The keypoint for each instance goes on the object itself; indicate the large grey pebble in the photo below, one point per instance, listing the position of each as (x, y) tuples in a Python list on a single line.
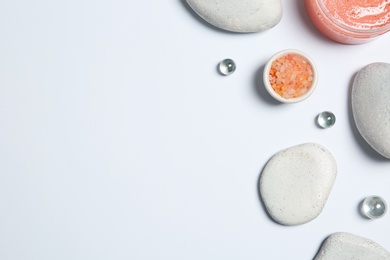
[(239, 16), (370, 99), (349, 246), (296, 182)]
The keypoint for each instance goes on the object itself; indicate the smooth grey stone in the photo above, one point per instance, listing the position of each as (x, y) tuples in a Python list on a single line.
[(296, 182), (370, 99), (239, 16), (349, 246)]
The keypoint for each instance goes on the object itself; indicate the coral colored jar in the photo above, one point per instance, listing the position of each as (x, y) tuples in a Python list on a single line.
[(350, 21)]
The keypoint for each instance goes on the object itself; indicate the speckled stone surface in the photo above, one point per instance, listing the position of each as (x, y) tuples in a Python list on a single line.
[(296, 182), (348, 246), (239, 16), (370, 99)]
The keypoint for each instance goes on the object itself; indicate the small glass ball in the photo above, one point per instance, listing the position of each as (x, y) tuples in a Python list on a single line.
[(373, 207), (326, 119), (227, 67)]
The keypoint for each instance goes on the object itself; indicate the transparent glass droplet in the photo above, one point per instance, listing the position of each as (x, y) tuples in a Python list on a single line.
[(326, 119), (227, 67), (374, 207)]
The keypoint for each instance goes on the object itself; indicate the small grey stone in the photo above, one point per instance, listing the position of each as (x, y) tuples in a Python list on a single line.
[(296, 182), (370, 99), (348, 246), (239, 16)]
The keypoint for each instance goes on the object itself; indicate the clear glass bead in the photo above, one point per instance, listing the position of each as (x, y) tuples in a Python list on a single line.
[(326, 119), (227, 67), (374, 207)]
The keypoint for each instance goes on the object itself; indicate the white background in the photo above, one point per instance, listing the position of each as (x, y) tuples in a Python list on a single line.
[(119, 139)]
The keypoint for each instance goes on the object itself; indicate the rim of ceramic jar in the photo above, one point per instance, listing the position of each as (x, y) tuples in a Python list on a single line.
[(268, 85), (369, 32)]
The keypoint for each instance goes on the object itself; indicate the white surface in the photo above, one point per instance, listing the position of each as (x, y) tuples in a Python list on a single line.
[(119, 139)]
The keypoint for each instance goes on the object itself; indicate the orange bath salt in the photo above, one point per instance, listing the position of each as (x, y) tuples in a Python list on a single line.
[(291, 76)]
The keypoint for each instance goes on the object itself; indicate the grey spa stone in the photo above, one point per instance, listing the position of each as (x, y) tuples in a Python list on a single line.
[(349, 246), (296, 182), (370, 99), (239, 16)]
